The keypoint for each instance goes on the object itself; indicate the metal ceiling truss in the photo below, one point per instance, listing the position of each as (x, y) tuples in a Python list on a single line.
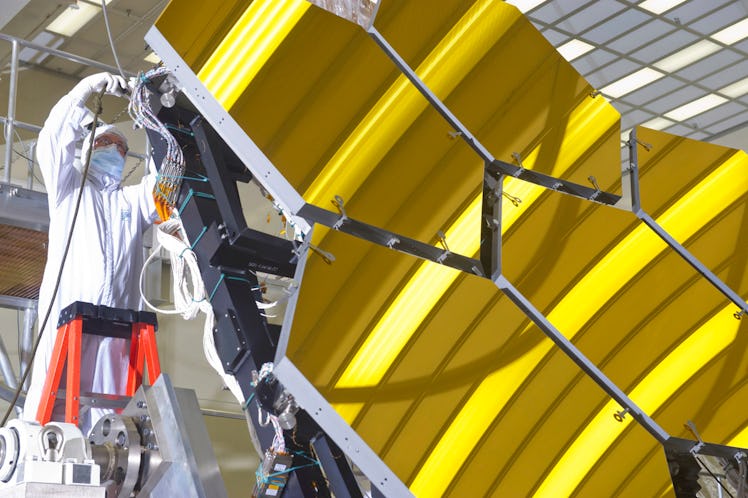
[(488, 265), (685, 82)]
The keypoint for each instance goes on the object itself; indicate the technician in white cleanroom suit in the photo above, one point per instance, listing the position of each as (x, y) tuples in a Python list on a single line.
[(106, 250)]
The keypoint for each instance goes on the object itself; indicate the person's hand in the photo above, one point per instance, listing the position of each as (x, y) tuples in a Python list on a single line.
[(111, 84)]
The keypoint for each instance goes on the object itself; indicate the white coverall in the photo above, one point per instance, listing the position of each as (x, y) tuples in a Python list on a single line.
[(104, 261)]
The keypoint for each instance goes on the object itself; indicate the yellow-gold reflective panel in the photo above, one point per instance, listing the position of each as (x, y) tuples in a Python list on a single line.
[(399, 322), (445, 66), (663, 381), (336, 125), (248, 46), (464, 352), (601, 282)]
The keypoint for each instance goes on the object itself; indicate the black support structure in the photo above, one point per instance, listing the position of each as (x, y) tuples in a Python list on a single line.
[(229, 255)]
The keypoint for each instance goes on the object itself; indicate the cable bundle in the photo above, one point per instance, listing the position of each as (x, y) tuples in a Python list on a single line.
[(189, 292), (172, 167)]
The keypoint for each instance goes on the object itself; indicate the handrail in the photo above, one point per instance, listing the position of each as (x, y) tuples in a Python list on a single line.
[(9, 122), (64, 55)]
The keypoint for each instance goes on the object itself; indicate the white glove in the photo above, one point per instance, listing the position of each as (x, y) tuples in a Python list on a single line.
[(112, 85)]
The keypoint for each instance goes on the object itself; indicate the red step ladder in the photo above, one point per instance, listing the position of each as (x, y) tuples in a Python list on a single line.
[(84, 318)]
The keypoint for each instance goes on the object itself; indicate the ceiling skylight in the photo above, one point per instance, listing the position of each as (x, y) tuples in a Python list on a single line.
[(525, 5), (696, 107), (737, 89), (687, 56), (631, 82), (574, 48), (658, 123), (660, 6), (732, 34)]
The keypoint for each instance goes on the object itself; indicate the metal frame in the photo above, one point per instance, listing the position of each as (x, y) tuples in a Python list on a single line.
[(489, 265), (25, 342), (9, 122), (559, 25), (243, 146)]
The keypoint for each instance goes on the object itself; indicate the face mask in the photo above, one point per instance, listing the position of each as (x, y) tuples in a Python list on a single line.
[(108, 161)]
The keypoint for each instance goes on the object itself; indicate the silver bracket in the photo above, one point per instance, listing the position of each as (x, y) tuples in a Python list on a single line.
[(327, 257), (513, 199), (518, 159), (696, 448), (621, 414), (597, 191), (338, 203), (447, 252)]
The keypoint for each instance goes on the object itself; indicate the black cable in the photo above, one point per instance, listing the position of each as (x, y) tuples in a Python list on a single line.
[(97, 104), (111, 42)]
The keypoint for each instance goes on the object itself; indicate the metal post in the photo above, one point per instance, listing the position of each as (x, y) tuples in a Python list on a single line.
[(630, 178), (30, 177), (26, 341), (490, 249), (582, 361), (11, 110), (6, 367)]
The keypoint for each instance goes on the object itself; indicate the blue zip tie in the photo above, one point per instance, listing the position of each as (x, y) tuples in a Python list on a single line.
[(180, 130), (216, 287), (301, 453), (196, 194), (288, 471), (192, 247), (239, 278), (245, 406)]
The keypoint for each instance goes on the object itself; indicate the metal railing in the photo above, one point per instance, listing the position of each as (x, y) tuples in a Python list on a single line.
[(10, 124)]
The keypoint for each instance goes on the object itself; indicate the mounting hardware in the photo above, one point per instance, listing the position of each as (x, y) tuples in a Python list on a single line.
[(392, 241), (443, 240), (597, 191), (692, 427), (621, 414), (338, 203), (518, 159), (327, 257), (738, 314), (647, 146), (454, 134), (514, 200), (491, 222)]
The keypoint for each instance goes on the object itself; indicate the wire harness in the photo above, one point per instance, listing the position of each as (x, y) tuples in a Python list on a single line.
[(170, 176)]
